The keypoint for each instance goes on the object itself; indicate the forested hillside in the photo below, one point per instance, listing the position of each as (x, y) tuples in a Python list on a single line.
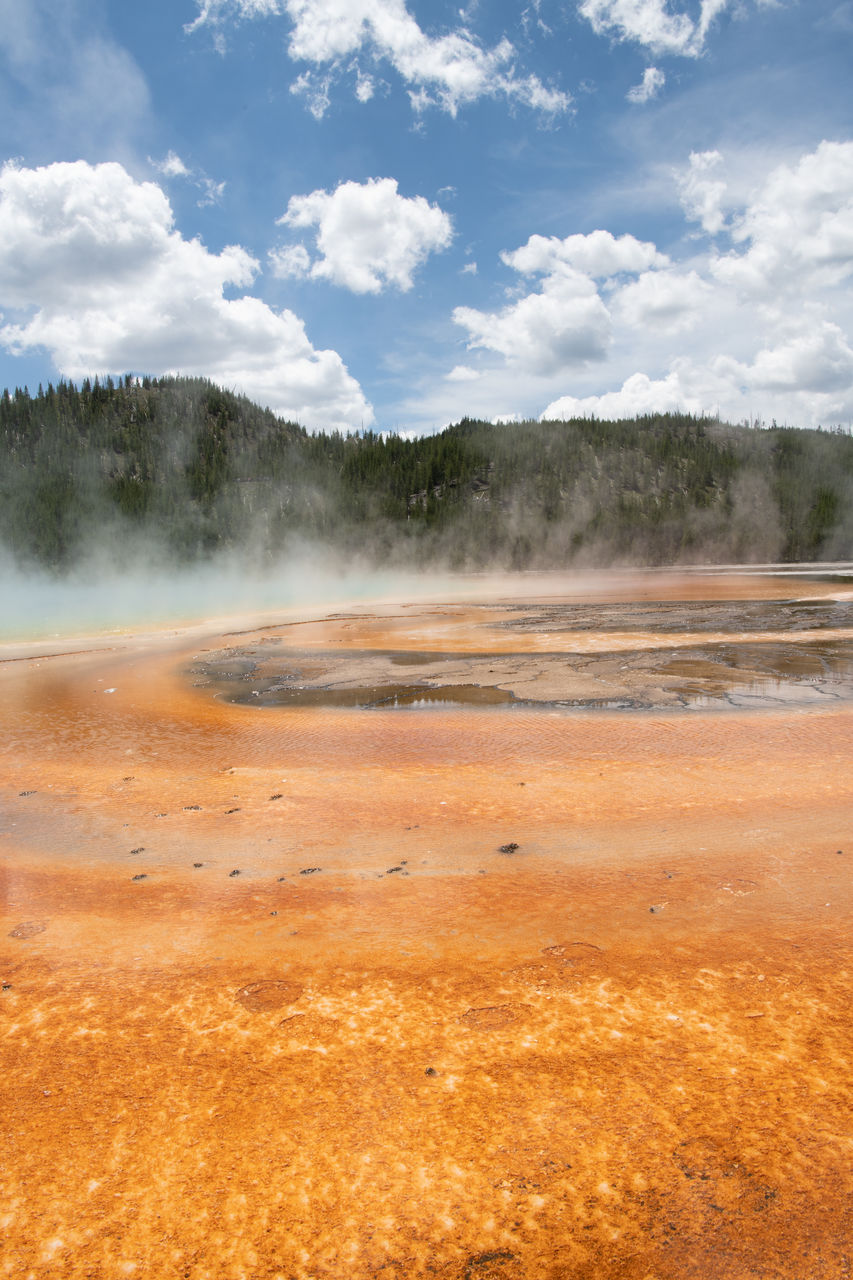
[(179, 469)]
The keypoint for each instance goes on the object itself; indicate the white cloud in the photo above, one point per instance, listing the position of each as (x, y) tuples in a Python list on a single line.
[(92, 262), (649, 87), (365, 86), (671, 301), (564, 325), (214, 10), (650, 23), (817, 358), (638, 394), (798, 228), (470, 269), (368, 235), (447, 71), (315, 90), (212, 192), (803, 379), (598, 254), (759, 322), (172, 167), (463, 373), (291, 261), (702, 195)]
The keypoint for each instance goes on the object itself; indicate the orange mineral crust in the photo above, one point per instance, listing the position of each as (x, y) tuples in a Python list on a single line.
[(556, 987)]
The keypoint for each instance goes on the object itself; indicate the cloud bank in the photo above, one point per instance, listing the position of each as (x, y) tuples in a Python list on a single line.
[(91, 262), (768, 301), (749, 314)]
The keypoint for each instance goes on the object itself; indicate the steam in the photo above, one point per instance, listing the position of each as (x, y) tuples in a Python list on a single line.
[(98, 597)]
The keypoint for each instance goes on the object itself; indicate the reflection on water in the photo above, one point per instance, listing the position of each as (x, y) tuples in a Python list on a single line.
[(768, 692), (700, 676), (386, 697)]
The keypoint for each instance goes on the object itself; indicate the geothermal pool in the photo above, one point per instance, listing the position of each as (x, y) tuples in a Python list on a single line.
[(496, 935)]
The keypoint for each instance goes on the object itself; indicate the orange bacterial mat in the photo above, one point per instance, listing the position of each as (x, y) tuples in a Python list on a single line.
[(524, 991)]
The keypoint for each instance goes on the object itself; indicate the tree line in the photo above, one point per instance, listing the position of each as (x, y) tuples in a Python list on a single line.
[(181, 469)]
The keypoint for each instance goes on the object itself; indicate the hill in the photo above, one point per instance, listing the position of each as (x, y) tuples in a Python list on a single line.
[(180, 469)]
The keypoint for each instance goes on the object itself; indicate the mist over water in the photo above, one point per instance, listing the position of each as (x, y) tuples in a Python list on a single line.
[(95, 598)]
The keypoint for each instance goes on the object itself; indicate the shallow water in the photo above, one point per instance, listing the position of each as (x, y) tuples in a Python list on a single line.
[(459, 991), (721, 653)]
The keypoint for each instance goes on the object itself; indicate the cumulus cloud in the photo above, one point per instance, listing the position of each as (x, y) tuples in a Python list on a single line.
[(650, 23), (638, 394), (598, 254), (368, 235), (447, 71), (649, 87), (701, 194), (758, 322), (671, 301), (566, 323), (818, 358), (798, 227), (91, 261)]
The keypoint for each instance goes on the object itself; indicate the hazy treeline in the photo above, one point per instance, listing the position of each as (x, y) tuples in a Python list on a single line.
[(177, 469)]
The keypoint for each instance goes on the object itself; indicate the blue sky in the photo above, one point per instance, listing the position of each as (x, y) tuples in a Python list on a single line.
[(396, 213)]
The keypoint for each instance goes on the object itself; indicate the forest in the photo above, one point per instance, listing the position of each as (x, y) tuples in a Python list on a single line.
[(178, 469)]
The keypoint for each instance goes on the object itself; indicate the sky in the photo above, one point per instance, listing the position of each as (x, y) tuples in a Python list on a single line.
[(396, 213)]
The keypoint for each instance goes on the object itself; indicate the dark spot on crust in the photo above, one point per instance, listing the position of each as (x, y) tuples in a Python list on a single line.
[(28, 929), (274, 993), (485, 1266), (490, 1017)]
